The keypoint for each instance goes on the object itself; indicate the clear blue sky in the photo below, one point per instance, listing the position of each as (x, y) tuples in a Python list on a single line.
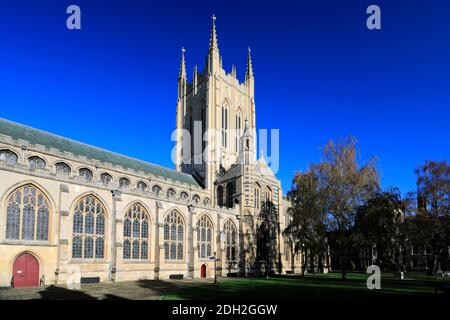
[(319, 74)]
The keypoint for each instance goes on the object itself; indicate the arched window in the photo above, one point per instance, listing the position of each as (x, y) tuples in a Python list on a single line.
[(62, 168), (142, 186), (230, 233), (184, 195), (224, 125), (124, 183), (171, 193), (86, 174), (206, 201), (36, 163), (88, 240), (106, 178), (204, 237), (156, 189), (8, 156), (27, 215), (267, 195), (136, 228), (238, 130), (229, 194), (257, 196), (220, 196), (196, 198), (173, 236)]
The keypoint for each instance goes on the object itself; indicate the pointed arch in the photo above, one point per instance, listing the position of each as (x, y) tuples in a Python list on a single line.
[(136, 232), (28, 212), (205, 236), (89, 224), (174, 235), (231, 241)]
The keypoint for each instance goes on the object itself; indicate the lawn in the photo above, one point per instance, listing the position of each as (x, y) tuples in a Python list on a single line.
[(314, 287)]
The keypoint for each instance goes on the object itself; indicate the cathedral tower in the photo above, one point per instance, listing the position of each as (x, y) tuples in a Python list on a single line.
[(212, 108)]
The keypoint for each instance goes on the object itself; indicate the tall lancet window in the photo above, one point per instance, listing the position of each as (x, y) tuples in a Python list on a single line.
[(238, 130), (224, 126)]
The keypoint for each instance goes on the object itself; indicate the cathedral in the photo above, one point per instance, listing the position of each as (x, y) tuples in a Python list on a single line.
[(74, 213)]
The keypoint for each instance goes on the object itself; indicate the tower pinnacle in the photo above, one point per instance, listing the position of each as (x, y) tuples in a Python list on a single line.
[(249, 70), (182, 73), (213, 45)]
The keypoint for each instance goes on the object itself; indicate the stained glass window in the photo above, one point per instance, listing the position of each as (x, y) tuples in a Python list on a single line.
[(204, 237), (88, 241), (174, 236), (28, 214), (136, 232)]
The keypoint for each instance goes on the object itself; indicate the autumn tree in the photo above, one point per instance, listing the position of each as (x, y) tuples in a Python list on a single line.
[(307, 230), (433, 213), (346, 185)]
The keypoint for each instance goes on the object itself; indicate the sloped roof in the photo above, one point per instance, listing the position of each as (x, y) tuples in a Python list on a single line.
[(48, 140)]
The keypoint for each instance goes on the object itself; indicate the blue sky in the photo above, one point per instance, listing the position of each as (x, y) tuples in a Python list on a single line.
[(319, 74)]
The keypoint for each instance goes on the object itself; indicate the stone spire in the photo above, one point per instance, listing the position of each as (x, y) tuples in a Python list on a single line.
[(213, 45), (182, 73), (249, 70)]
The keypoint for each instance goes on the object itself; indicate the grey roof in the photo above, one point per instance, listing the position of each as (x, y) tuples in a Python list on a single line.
[(35, 136)]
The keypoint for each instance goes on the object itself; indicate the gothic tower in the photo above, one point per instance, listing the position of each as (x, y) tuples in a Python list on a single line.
[(212, 108)]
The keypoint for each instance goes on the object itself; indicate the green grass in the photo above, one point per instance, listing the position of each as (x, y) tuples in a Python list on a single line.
[(313, 287)]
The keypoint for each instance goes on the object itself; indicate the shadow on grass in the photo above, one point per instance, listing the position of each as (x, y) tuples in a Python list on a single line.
[(310, 287)]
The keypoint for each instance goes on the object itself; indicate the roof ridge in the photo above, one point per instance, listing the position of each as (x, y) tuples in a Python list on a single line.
[(56, 136)]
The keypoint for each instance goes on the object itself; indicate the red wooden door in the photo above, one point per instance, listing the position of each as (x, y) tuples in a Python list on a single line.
[(203, 271), (26, 271)]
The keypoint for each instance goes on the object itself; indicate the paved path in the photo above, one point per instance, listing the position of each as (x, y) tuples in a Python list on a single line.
[(137, 290)]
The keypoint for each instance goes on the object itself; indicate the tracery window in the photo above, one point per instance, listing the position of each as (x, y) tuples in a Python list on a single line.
[(230, 233), (238, 130), (196, 198), (184, 195), (63, 168), (86, 174), (124, 183), (257, 196), (156, 189), (229, 194), (136, 233), (173, 236), (8, 156), (267, 195), (224, 126), (106, 178), (220, 196), (142, 186), (88, 241), (171, 193), (27, 215), (36, 163), (204, 237)]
